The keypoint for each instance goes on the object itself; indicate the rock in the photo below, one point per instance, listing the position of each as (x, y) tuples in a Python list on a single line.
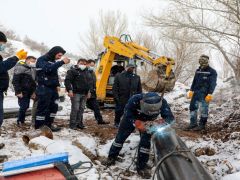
[(199, 152), (219, 109), (212, 169), (3, 158), (210, 151), (2, 145), (211, 163), (235, 135), (204, 151)]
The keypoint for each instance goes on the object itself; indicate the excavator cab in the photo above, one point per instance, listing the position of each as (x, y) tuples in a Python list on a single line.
[(118, 66)]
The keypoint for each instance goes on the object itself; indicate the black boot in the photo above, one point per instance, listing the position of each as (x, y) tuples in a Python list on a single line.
[(73, 127), (54, 128), (199, 128), (103, 122), (80, 125), (202, 124), (191, 127), (144, 173), (109, 161)]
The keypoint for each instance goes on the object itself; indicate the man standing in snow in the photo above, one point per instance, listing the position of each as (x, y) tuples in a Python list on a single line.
[(47, 88), (4, 67), (24, 85), (92, 100), (203, 85), (126, 84), (78, 83), (139, 109)]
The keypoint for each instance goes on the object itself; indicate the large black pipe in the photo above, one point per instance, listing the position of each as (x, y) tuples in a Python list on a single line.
[(173, 160)]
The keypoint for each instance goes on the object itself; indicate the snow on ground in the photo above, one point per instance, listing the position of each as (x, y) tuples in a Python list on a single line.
[(223, 164)]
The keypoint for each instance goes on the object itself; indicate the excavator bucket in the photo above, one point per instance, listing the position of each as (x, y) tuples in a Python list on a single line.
[(156, 80)]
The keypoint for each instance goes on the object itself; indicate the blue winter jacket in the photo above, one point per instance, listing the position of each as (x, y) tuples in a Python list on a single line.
[(47, 68), (205, 81), (132, 110), (4, 67)]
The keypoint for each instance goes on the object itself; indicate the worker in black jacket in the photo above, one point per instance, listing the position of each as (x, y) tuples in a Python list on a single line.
[(78, 83), (92, 101), (126, 84), (202, 88), (4, 67), (47, 88), (24, 85)]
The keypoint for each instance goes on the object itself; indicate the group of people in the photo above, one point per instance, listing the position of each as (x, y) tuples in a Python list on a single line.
[(37, 79)]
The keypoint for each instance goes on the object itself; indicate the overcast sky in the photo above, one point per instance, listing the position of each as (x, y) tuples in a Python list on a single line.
[(61, 22)]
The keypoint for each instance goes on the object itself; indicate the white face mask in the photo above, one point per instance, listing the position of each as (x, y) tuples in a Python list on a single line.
[(33, 65), (2, 47), (82, 67), (91, 68)]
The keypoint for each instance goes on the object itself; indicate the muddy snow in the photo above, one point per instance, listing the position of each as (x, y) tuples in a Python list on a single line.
[(217, 148)]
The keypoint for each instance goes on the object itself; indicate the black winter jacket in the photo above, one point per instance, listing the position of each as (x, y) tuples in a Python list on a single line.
[(23, 81), (126, 85), (93, 85), (205, 81), (79, 81), (4, 67)]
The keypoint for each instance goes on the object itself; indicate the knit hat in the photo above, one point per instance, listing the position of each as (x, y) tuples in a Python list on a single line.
[(3, 37)]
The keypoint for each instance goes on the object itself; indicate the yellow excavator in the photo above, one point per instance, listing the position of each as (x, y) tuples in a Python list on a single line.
[(160, 79)]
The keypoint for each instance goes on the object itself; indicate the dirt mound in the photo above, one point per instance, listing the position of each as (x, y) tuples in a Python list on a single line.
[(103, 132)]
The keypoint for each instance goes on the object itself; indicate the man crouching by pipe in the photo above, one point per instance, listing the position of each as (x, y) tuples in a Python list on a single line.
[(139, 109)]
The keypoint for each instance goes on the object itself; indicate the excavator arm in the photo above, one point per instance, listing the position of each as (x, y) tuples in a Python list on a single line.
[(130, 50)]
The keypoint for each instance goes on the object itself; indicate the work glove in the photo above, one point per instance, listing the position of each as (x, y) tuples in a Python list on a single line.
[(189, 94), (21, 54), (208, 98), (140, 125)]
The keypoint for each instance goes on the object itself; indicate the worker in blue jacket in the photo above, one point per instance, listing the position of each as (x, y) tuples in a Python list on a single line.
[(4, 67), (140, 108), (47, 86), (203, 86)]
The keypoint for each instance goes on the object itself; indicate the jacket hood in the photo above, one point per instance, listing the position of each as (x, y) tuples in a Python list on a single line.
[(54, 51)]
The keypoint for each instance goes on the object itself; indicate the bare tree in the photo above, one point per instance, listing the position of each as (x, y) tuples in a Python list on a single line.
[(184, 53), (148, 40), (10, 33), (215, 23), (34, 45), (111, 23)]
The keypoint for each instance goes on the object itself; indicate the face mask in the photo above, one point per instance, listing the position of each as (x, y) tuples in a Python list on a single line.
[(203, 62), (82, 67), (2, 47), (91, 68), (33, 65)]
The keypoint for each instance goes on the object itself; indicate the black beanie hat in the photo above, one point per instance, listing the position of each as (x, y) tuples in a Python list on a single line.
[(55, 50), (3, 37)]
